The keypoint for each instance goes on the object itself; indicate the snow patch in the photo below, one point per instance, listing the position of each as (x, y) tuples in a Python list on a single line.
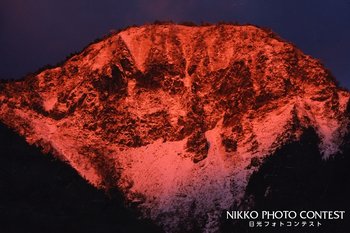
[(165, 175), (50, 103)]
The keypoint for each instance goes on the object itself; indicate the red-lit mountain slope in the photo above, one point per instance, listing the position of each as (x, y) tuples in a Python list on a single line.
[(177, 117)]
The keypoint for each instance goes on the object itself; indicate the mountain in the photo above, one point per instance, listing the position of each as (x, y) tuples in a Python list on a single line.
[(181, 119), (42, 194)]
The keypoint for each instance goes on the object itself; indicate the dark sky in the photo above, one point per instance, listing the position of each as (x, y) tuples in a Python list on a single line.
[(38, 32)]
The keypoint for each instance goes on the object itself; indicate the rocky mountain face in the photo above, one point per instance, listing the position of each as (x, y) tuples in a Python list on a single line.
[(178, 117)]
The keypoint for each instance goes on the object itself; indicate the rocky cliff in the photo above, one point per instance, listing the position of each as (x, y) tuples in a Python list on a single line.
[(178, 117)]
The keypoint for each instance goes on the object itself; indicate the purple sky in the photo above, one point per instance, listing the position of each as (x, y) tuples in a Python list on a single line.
[(38, 32)]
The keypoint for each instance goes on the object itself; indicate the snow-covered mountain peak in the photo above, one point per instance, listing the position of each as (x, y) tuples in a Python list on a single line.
[(177, 117)]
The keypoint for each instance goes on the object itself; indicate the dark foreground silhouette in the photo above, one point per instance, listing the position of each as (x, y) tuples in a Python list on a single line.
[(40, 194), (296, 178)]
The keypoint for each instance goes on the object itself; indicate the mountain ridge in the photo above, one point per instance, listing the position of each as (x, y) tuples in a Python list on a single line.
[(199, 107)]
